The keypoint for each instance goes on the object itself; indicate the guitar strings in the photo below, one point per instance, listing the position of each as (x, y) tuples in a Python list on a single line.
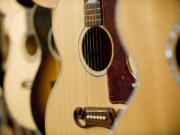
[(92, 42), (98, 37), (85, 47), (100, 55), (100, 51), (90, 48), (94, 49), (95, 45)]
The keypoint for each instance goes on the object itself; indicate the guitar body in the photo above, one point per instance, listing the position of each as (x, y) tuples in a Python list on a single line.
[(11, 4), (145, 30), (46, 3), (80, 89), (49, 68), (23, 62)]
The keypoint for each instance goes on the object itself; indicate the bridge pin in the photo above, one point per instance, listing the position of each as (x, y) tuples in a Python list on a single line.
[(87, 117)]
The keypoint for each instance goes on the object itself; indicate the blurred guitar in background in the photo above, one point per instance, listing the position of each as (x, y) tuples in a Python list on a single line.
[(7, 125), (22, 65), (145, 28), (49, 68)]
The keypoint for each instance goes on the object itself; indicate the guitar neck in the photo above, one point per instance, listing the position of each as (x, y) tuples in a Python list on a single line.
[(30, 20), (93, 12)]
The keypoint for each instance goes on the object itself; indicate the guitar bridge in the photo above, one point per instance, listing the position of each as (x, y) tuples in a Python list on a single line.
[(95, 116)]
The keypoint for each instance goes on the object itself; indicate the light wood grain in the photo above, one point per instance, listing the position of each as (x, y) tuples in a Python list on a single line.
[(75, 87), (21, 68), (145, 26)]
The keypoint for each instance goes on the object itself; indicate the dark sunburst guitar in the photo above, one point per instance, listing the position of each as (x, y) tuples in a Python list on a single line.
[(96, 80), (49, 67)]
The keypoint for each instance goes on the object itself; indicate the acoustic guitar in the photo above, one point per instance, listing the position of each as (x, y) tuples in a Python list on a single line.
[(23, 62), (96, 81), (49, 68), (46, 3), (149, 30)]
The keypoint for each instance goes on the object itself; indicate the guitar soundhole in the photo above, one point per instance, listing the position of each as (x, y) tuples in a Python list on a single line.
[(97, 48), (31, 45), (178, 53)]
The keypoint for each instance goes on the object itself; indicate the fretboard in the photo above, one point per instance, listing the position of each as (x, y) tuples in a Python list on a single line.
[(93, 12), (29, 20)]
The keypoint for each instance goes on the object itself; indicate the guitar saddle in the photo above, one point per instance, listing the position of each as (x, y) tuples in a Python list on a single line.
[(95, 116)]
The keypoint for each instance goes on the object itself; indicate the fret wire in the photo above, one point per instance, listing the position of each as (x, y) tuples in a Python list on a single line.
[(93, 15), (89, 18), (87, 4), (29, 20), (87, 1), (92, 9), (93, 20)]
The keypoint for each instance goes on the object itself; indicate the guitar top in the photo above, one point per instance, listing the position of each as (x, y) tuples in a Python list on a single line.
[(96, 81), (147, 30)]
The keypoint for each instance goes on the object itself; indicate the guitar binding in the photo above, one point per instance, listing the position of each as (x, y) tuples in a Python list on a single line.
[(173, 52), (101, 51)]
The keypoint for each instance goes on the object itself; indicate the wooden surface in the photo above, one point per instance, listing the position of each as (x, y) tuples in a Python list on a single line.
[(21, 68), (75, 87), (47, 3), (145, 26), (8, 6)]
